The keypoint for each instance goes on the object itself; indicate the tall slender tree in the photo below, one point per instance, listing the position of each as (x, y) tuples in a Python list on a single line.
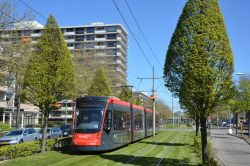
[(99, 85), (50, 73), (199, 61)]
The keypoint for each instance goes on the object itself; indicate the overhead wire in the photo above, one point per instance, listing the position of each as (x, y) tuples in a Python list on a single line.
[(23, 2), (145, 38), (130, 30)]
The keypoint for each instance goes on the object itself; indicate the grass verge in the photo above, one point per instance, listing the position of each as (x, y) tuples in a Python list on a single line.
[(166, 148)]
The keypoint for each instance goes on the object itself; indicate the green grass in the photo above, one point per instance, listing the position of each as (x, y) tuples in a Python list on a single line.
[(178, 126), (146, 152)]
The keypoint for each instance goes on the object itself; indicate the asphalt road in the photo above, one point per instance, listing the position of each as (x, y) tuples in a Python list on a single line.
[(229, 150)]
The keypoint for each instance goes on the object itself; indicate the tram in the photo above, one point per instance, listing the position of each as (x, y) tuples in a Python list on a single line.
[(106, 123)]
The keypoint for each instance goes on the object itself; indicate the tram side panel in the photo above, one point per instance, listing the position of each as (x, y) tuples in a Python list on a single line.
[(139, 131), (120, 131), (149, 123)]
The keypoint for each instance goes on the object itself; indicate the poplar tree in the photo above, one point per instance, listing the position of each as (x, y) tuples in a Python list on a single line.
[(50, 73), (99, 85), (199, 62)]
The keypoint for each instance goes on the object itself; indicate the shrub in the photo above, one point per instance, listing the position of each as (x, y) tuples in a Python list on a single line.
[(19, 150), (4, 126), (29, 148)]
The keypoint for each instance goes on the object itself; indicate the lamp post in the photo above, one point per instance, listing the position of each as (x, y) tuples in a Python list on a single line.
[(247, 99)]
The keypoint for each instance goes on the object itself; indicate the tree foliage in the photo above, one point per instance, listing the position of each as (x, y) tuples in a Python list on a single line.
[(199, 61), (126, 94), (50, 73), (163, 108), (99, 85), (138, 101)]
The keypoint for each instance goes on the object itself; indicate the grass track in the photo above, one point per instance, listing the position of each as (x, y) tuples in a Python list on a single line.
[(145, 152)]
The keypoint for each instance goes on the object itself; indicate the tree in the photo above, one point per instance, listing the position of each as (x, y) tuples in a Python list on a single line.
[(138, 101), (199, 62), (99, 85), (15, 62), (126, 94), (163, 108), (13, 57), (50, 73)]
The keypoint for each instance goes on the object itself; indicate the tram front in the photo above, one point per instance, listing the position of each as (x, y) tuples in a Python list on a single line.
[(88, 121)]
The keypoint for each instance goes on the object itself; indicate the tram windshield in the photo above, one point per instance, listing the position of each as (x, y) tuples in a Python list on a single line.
[(89, 116)]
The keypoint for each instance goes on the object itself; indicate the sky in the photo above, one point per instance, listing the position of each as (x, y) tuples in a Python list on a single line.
[(157, 19)]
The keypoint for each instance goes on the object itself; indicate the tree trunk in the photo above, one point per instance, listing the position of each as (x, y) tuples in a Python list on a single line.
[(236, 123), (18, 112), (203, 121), (44, 133), (197, 126)]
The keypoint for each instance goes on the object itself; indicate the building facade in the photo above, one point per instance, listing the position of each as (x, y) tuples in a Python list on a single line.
[(146, 100), (103, 44), (29, 114), (106, 44)]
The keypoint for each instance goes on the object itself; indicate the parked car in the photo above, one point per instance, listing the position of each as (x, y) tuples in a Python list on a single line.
[(66, 130), (19, 136), (52, 133)]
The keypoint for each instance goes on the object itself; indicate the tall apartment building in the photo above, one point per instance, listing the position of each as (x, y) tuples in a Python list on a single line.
[(105, 43)]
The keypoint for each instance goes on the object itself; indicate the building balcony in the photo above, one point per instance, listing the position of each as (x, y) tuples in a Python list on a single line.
[(100, 39), (100, 47), (34, 42), (71, 48), (36, 35), (69, 40), (100, 31), (68, 33)]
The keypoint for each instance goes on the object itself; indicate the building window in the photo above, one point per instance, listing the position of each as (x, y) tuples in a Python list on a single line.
[(99, 36), (70, 30), (100, 28), (37, 31), (90, 37), (89, 45), (111, 29), (26, 33), (70, 45), (79, 46), (79, 38), (100, 44), (99, 51), (111, 44), (68, 37), (90, 30), (111, 52), (79, 31), (111, 36)]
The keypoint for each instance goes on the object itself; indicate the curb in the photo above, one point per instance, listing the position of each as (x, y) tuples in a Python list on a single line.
[(239, 137)]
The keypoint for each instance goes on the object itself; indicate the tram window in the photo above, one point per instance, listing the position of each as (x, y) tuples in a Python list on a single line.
[(107, 121), (119, 120)]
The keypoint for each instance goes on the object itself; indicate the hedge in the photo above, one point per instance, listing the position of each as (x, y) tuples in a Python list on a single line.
[(29, 148)]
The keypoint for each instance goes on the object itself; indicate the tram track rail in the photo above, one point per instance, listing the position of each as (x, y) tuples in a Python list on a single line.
[(167, 152), (133, 159)]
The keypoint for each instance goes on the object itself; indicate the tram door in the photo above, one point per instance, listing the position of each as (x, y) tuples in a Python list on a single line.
[(128, 127)]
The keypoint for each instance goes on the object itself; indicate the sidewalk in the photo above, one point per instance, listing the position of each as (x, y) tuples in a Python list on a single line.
[(229, 150)]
